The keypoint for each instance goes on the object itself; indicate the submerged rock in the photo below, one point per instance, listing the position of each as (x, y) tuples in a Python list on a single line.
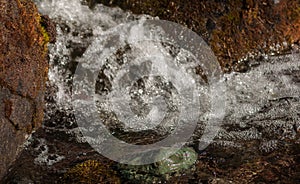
[(23, 73), (180, 162)]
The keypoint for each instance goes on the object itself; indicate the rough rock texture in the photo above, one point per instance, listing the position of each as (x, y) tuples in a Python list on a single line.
[(91, 171), (23, 72), (258, 143), (234, 29)]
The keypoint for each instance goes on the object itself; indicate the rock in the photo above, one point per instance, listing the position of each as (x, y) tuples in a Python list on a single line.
[(235, 30), (180, 162), (23, 72), (91, 171), (257, 143)]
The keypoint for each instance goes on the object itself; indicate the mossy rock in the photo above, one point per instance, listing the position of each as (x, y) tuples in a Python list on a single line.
[(23, 73), (90, 172)]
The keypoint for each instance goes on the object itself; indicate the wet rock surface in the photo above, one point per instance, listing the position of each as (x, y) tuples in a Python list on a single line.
[(235, 29), (23, 72), (258, 141)]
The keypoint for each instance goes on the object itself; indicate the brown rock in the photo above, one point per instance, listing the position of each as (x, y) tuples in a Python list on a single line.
[(23, 72), (232, 28)]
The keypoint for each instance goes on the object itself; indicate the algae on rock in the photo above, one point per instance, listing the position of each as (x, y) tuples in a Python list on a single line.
[(91, 171), (23, 73)]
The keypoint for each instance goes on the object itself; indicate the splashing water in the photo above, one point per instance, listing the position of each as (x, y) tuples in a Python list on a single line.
[(262, 104)]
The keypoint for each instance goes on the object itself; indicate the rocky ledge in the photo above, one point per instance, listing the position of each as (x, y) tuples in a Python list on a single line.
[(23, 73)]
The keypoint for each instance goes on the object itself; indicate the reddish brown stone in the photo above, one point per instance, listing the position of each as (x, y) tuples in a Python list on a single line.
[(233, 28), (290, 21), (23, 72)]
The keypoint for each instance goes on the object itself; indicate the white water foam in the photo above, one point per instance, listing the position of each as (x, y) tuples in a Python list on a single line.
[(255, 101)]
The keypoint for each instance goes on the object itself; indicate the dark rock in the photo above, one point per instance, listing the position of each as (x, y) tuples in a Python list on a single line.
[(23, 72), (234, 29), (49, 26)]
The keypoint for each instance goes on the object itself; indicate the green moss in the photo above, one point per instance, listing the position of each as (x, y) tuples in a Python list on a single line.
[(45, 34), (90, 172), (46, 39)]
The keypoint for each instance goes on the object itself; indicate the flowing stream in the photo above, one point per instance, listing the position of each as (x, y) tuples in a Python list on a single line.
[(261, 105)]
